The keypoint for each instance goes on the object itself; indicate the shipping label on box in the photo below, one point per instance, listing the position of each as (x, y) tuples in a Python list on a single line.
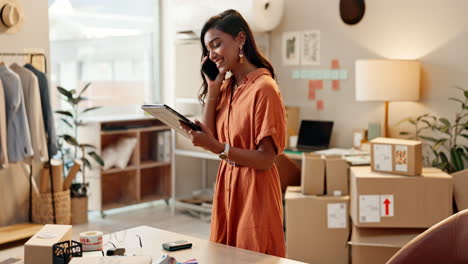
[(369, 210), (372, 207), (337, 217), (386, 205), (382, 157), (401, 158)]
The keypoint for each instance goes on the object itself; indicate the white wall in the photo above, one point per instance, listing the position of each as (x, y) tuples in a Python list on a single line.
[(14, 185), (433, 32)]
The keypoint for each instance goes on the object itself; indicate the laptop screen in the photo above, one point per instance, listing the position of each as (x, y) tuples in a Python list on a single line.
[(314, 133)]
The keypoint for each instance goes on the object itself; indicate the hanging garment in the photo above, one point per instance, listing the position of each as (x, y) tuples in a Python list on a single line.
[(247, 204), (19, 139), (32, 100), (3, 131), (46, 109)]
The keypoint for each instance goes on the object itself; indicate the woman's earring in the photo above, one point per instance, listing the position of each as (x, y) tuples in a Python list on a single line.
[(241, 55)]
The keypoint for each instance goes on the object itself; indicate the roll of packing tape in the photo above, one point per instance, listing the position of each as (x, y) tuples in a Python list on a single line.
[(91, 240)]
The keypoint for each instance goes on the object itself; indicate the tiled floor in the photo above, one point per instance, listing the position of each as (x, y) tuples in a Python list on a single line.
[(156, 215)]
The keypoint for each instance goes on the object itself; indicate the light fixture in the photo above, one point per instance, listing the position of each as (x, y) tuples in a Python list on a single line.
[(388, 81)]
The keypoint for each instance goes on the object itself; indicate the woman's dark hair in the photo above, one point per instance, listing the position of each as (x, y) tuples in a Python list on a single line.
[(232, 23)]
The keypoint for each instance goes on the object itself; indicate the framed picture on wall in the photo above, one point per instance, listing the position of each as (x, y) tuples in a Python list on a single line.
[(291, 48), (310, 51)]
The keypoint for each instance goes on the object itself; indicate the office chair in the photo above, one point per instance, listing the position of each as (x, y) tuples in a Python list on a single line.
[(445, 242)]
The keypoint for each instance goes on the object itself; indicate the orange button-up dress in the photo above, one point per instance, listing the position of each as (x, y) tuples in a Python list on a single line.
[(247, 206)]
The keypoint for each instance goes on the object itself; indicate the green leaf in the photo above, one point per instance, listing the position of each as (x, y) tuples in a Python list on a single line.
[(444, 121), (70, 140), (444, 129), (422, 116), (456, 159), (426, 122), (84, 89), (439, 143), (96, 157), (412, 121), (66, 122), (463, 154), (457, 100), (464, 135), (408, 119), (65, 92), (90, 109), (87, 163), (65, 113), (78, 99), (404, 133), (429, 139), (86, 146), (445, 162)]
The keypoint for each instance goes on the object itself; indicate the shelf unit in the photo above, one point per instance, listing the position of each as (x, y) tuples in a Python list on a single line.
[(144, 179)]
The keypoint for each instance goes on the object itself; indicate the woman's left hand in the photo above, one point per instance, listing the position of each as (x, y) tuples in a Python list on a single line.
[(204, 138)]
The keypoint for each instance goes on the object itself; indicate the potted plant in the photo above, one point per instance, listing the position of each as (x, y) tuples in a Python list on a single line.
[(72, 119), (444, 137)]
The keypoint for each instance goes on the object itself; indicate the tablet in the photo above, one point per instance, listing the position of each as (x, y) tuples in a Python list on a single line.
[(170, 117)]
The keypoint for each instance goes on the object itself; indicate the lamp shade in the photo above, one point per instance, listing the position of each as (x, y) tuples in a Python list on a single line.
[(387, 80)]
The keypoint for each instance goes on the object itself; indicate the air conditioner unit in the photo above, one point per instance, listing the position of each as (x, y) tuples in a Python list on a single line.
[(262, 15)]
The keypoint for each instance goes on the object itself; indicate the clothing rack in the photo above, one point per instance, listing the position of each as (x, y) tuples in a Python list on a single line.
[(31, 56)]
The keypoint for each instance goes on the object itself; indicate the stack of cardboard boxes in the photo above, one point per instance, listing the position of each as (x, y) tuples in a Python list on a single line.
[(391, 202), (317, 213)]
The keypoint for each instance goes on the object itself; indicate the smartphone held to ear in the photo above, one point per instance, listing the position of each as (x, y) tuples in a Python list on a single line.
[(210, 69)]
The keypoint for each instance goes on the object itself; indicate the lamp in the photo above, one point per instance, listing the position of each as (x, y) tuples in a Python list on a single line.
[(388, 81)]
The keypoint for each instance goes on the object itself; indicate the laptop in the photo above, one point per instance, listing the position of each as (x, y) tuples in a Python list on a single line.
[(314, 135)]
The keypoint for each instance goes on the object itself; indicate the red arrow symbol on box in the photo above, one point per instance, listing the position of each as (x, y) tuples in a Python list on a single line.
[(387, 206)]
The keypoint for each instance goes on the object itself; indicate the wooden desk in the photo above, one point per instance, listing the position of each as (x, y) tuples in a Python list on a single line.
[(204, 251)]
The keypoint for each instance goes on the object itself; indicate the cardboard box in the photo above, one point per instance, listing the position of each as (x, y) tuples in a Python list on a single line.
[(460, 189), (312, 174), (385, 200), (337, 176), (396, 156), (38, 249), (317, 227), (378, 245)]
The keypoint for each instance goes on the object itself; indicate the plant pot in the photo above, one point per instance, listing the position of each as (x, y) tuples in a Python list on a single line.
[(79, 210)]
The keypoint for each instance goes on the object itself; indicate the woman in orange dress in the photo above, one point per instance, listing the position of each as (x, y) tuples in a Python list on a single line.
[(243, 122)]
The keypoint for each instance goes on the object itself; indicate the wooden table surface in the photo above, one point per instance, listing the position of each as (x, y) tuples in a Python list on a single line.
[(205, 252)]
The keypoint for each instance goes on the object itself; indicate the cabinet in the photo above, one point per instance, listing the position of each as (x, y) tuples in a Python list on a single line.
[(147, 177)]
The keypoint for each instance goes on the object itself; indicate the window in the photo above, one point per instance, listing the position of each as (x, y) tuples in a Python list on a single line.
[(111, 43)]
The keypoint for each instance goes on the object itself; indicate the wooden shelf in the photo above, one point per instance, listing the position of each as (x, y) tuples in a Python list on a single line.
[(153, 197), (153, 164), (18, 232), (144, 179), (135, 130), (110, 206), (117, 170)]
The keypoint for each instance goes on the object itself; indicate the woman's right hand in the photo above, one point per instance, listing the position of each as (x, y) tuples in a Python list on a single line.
[(214, 85)]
